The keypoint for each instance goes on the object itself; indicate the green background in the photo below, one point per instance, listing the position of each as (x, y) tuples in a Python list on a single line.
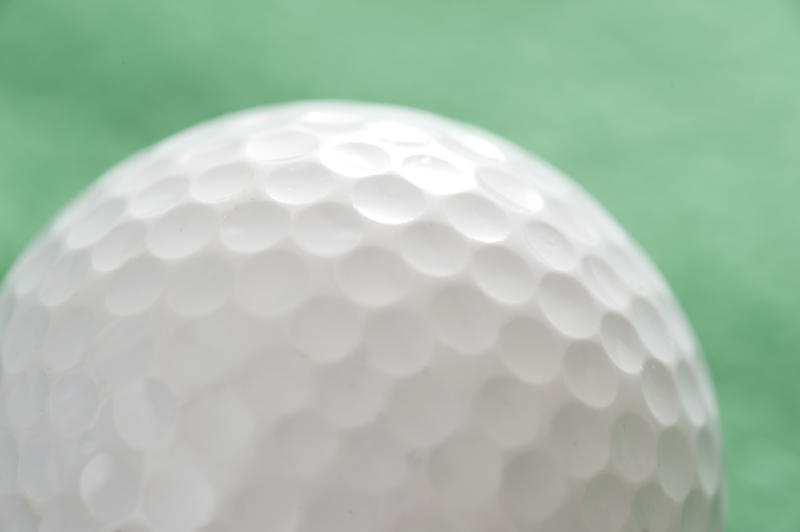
[(682, 117)]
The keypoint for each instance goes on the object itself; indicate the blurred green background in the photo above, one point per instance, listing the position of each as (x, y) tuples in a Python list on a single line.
[(682, 117)]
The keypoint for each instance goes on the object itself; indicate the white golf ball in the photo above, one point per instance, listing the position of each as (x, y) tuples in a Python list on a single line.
[(344, 317)]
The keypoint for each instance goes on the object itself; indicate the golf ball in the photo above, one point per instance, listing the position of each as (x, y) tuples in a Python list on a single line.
[(345, 317)]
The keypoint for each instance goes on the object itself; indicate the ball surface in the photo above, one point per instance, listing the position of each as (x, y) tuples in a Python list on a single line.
[(343, 317)]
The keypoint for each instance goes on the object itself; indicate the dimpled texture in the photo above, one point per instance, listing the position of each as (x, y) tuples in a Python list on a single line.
[(342, 317)]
